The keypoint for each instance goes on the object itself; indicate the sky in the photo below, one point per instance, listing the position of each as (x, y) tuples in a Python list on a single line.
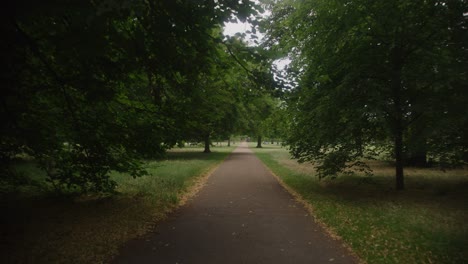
[(231, 29)]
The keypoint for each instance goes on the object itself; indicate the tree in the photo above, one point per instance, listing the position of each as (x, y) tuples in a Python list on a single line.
[(258, 109), (370, 72), (277, 124), (211, 109), (91, 87), (232, 94)]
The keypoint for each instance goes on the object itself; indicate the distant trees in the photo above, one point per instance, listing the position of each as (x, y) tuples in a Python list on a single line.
[(375, 72), (259, 108), (211, 107), (276, 126)]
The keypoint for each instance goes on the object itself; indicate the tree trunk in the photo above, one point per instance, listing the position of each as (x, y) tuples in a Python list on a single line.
[(229, 142), (259, 141), (207, 144), (400, 183), (398, 127)]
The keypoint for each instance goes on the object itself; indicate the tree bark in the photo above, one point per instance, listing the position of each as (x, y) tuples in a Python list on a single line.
[(398, 127), (207, 144), (400, 183), (259, 141)]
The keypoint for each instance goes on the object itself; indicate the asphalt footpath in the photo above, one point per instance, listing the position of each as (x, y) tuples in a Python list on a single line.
[(242, 215)]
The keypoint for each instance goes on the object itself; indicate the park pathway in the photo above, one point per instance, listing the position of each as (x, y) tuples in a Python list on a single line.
[(242, 215)]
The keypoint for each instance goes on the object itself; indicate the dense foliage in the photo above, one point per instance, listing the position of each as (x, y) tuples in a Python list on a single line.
[(374, 74), (95, 86)]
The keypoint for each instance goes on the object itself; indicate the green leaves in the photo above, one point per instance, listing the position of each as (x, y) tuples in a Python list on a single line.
[(369, 70), (93, 87)]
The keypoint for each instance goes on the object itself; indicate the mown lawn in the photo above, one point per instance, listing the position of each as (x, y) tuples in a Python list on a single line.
[(38, 227), (426, 223)]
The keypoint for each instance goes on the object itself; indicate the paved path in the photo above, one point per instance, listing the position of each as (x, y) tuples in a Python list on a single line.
[(242, 215)]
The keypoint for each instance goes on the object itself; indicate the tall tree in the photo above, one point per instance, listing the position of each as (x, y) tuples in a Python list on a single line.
[(369, 72)]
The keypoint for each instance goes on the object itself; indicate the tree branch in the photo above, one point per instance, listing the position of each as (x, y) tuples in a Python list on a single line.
[(36, 51)]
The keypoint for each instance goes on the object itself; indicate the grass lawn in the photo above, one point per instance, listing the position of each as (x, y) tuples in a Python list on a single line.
[(37, 227), (426, 223)]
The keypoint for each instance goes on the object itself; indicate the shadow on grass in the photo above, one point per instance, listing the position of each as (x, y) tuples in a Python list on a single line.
[(424, 223), (378, 189), (436, 189), (46, 230), (90, 228)]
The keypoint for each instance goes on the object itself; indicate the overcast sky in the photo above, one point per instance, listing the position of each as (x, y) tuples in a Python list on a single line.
[(230, 29)]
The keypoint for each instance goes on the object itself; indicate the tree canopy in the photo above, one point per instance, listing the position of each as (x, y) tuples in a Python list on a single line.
[(95, 86), (374, 74), (90, 87)]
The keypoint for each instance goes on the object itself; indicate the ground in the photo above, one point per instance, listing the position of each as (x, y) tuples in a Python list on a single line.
[(242, 215)]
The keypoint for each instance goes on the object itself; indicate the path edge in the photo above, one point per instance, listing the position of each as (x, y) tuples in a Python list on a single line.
[(184, 197), (310, 209)]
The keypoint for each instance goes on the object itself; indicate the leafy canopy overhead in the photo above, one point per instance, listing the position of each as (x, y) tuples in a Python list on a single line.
[(94, 86)]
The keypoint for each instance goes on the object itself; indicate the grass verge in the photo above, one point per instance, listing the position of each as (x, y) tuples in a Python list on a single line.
[(426, 223), (39, 228)]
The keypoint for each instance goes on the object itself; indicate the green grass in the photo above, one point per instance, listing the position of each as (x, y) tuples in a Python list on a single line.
[(39, 228), (426, 223)]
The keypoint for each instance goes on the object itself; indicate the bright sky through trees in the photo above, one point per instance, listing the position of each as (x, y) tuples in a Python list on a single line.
[(231, 29)]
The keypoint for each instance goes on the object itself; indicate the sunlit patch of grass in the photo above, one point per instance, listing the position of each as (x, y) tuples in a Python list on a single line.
[(426, 223), (90, 229)]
